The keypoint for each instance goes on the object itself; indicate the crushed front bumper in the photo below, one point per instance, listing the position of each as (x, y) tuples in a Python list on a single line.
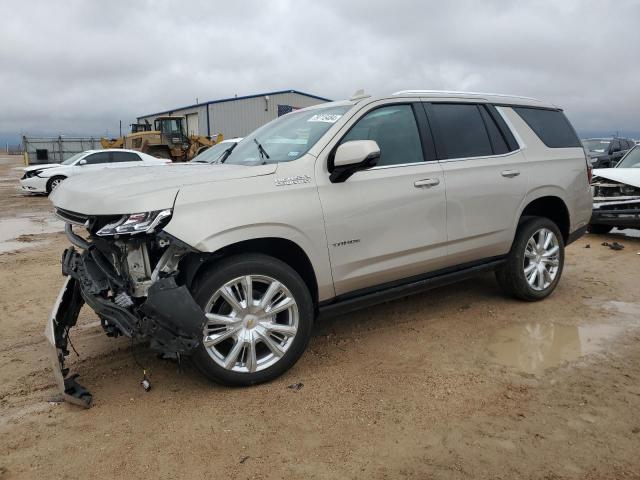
[(169, 316), (34, 184), (64, 316), (616, 212)]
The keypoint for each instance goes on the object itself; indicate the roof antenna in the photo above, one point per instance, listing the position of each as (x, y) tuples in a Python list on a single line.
[(359, 95)]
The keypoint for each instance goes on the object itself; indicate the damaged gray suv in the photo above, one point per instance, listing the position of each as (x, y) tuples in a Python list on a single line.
[(324, 210)]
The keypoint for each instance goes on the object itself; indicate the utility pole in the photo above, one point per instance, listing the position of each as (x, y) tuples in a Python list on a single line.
[(120, 128)]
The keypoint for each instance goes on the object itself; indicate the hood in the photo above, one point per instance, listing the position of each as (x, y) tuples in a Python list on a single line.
[(630, 176), (44, 166), (141, 189)]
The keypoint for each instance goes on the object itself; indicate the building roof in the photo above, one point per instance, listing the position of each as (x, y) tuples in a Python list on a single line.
[(231, 99)]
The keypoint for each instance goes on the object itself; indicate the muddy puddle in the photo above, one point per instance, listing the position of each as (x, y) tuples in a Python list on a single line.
[(534, 347), (21, 232)]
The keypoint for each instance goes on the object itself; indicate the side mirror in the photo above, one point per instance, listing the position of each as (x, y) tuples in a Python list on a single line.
[(82, 162), (353, 156)]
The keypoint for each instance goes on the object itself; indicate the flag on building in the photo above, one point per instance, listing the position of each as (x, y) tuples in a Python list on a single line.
[(284, 109)]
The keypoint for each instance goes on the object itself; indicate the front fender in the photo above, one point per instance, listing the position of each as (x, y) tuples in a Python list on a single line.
[(211, 217), (318, 257)]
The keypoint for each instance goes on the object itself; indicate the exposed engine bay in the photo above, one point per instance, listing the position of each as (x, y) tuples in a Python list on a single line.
[(127, 272)]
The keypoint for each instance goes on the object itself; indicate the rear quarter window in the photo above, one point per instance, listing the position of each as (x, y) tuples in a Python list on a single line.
[(551, 126)]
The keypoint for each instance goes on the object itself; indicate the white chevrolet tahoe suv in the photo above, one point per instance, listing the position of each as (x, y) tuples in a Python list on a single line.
[(325, 209)]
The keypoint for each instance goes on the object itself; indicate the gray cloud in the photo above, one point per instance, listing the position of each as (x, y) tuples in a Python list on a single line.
[(79, 66)]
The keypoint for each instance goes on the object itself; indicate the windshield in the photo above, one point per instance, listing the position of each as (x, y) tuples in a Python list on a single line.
[(598, 146), (631, 159), (70, 160), (211, 155), (286, 138)]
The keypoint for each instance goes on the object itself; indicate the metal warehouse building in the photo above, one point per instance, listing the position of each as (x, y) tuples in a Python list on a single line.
[(238, 116)]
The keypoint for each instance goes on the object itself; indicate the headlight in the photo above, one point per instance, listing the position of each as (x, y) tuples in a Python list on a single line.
[(137, 223), (32, 173)]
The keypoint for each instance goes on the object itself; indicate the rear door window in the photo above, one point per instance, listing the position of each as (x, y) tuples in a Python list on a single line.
[(551, 126), (460, 131), (498, 142)]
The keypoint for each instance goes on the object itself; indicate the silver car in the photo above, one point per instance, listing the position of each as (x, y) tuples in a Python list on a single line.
[(323, 210)]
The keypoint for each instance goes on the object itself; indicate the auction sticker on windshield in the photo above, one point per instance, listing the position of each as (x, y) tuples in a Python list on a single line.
[(325, 117)]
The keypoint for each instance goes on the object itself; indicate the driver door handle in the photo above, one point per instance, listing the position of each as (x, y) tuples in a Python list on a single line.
[(426, 183), (510, 173)]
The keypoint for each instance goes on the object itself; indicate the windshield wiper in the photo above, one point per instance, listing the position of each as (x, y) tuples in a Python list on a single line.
[(261, 150), (226, 153)]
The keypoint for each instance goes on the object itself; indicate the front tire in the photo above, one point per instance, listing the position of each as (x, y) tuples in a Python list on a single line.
[(534, 266), (260, 315), (54, 182)]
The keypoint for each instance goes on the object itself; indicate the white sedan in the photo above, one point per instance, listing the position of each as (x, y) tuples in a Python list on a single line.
[(44, 178)]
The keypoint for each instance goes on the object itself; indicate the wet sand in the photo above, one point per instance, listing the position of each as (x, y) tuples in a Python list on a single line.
[(458, 382)]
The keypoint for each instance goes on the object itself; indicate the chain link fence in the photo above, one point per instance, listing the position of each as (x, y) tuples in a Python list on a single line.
[(56, 149)]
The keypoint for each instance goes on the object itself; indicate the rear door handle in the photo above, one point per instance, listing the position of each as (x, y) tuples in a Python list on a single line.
[(426, 183), (510, 173)]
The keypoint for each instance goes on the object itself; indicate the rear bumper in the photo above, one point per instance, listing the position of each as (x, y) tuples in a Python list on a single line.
[(169, 316)]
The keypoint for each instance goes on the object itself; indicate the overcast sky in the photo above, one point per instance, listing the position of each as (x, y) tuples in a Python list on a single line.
[(77, 67)]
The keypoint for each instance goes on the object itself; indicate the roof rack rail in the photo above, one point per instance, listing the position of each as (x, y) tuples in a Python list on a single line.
[(454, 92)]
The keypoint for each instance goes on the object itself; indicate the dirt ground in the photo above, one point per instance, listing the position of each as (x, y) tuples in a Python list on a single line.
[(458, 382)]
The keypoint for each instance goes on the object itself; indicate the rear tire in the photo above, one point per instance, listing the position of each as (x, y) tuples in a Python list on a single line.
[(533, 268), (244, 341), (599, 229), (54, 182)]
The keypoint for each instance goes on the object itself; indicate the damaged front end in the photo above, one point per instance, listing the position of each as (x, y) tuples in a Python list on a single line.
[(615, 203), (127, 272)]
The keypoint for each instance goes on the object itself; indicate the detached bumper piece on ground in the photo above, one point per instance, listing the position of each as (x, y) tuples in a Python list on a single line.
[(168, 316)]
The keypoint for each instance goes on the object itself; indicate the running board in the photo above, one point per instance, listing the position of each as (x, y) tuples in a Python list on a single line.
[(394, 290)]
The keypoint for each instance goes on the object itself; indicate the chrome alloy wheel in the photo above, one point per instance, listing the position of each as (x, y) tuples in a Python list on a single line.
[(541, 259), (252, 322), (55, 183)]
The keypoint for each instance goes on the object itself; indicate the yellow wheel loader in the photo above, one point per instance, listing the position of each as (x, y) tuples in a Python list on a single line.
[(167, 139)]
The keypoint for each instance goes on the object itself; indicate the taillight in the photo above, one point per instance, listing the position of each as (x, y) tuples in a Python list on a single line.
[(589, 166)]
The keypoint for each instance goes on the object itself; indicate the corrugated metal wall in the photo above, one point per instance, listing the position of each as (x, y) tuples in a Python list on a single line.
[(237, 118), (240, 117)]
